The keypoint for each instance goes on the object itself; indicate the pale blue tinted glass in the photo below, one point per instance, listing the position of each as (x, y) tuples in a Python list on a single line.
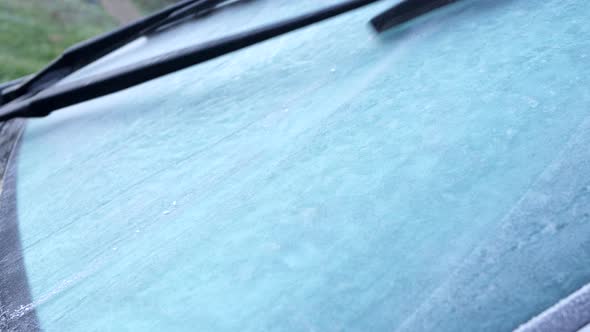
[(236, 18), (433, 178)]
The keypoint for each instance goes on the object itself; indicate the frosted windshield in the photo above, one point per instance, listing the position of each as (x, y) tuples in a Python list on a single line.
[(433, 178), (239, 17)]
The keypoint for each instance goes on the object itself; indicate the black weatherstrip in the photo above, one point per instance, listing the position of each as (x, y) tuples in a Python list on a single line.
[(16, 310)]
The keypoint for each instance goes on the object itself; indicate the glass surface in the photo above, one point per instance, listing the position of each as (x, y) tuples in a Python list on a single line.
[(236, 18), (436, 177)]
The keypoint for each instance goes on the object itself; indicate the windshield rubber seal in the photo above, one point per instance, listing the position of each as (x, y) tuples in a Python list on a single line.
[(17, 311)]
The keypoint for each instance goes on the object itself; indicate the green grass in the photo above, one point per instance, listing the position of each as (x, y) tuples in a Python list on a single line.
[(33, 32), (149, 6)]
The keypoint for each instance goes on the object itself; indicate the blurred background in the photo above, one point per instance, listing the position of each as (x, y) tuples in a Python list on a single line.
[(33, 32)]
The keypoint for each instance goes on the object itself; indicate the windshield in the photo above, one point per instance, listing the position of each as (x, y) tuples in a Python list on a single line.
[(434, 177)]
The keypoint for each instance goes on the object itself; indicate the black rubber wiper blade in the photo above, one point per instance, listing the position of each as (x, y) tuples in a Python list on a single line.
[(406, 11), (91, 50), (72, 93), (193, 10)]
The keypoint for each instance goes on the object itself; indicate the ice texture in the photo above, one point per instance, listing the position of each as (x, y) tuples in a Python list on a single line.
[(438, 178)]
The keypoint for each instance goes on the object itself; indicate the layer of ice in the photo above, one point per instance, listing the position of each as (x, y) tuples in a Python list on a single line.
[(437, 179)]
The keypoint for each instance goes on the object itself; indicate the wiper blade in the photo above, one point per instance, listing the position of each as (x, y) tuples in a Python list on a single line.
[(88, 51), (196, 9), (72, 93), (406, 11)]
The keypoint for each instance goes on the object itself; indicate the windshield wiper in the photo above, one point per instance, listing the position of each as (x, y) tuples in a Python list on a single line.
[(75, 92), (89, 51), (49, 99), (406, 11)]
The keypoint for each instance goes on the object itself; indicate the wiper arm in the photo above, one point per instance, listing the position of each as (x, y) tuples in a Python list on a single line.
[(88, 51), (49, 99), (406, 11), (196, 9), (61, 96)]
